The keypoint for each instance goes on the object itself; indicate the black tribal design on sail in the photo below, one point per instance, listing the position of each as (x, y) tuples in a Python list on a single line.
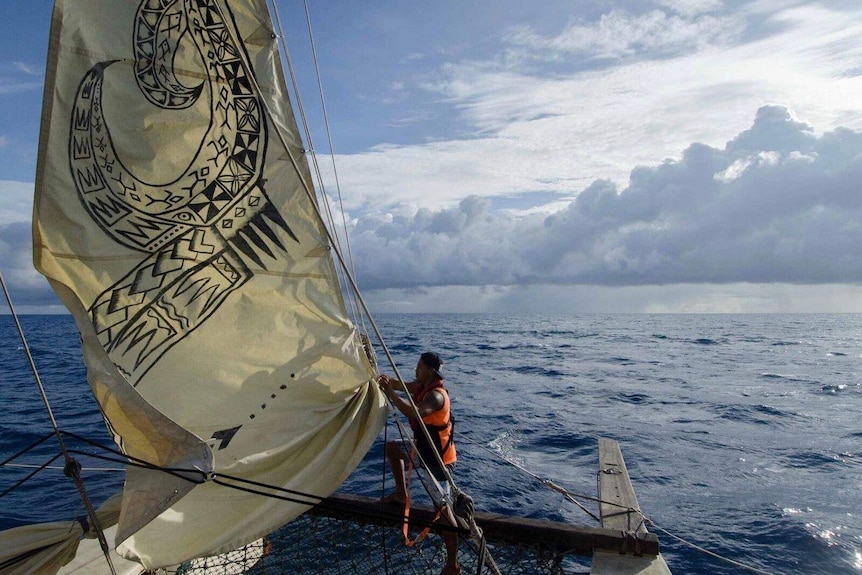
[(202, 230)]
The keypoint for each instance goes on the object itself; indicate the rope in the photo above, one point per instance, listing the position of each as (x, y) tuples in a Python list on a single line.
[(382, 494), (328, 134), (58, 468), (72, 467), (30, 476), (311, 499), (334, 245), (318, 173), (229, 481), (708, 552), (570, 496), (546, 482), (36, 444)]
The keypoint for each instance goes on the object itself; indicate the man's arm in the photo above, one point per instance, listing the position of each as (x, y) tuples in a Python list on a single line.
[(431, 403)]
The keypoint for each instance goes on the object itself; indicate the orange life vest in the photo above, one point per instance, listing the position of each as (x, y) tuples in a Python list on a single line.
[(441, 428)]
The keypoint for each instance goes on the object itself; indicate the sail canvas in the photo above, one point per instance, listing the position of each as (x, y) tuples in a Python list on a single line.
[(175, 219)]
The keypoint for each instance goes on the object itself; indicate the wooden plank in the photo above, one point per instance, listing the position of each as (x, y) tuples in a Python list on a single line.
[(610, 563), (619, 510), (557, 536)]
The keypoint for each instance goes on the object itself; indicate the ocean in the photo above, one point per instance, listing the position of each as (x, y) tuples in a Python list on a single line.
[(742, 434)]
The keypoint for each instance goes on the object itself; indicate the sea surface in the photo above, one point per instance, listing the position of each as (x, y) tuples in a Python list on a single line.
[(742, 433)]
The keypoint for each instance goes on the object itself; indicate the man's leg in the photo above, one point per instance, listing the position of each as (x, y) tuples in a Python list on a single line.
[(450, 540), (395, 455)]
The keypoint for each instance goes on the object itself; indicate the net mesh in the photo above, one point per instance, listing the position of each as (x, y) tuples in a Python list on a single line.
[(322, 545)]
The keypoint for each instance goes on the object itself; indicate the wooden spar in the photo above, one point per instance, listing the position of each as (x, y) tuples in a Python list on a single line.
[(620, 511), (619, 508), (554, 536)]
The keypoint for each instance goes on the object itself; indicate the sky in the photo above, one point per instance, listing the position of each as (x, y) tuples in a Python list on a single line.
[(554, 156)]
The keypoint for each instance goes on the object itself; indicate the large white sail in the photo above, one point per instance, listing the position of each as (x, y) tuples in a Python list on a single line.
[(172, 218)]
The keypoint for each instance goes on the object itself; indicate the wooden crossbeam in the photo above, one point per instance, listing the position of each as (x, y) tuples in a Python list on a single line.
[(552, 535)]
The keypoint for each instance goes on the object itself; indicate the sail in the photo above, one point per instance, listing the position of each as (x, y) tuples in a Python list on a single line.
[(173, 217)]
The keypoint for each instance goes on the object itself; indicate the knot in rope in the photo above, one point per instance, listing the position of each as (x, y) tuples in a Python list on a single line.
[(72, 469)]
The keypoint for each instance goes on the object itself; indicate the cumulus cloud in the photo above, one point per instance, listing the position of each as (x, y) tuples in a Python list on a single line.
[(777, 204)]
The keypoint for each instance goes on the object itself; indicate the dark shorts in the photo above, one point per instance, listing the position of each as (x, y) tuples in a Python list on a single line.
[(406, 448)]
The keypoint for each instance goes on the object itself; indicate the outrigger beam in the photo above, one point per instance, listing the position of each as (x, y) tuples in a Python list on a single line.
[(554, 536), (620, 511)]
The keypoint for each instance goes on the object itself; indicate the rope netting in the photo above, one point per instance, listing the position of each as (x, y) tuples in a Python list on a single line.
[(322, 545)]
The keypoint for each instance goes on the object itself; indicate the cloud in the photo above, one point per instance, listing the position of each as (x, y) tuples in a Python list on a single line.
[(28, 289), (12, 86), (17, 201), (693, 7), (27, 68), (619, 34), (17, 76), (523, 126), (678, 298), (778, 204)]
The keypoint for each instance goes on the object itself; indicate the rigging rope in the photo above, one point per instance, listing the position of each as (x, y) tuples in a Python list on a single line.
[(708, 552), (312, 499), (334, 245), (354, 307), (328, 134), (570, 497), (547, 482), (72, 467)]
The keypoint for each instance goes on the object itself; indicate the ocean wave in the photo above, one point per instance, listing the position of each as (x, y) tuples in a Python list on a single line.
[(757, 414), (633, 398), (834, 388), (811, 460), (786, 377), (538, 370), (707, 341)]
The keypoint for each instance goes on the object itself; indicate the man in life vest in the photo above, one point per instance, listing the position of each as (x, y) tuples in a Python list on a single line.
[(432, 402)]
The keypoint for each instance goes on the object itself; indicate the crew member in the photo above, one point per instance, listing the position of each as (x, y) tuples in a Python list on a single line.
[(432, 402)]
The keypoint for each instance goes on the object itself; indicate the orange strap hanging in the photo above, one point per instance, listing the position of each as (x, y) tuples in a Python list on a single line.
[(406, 523)]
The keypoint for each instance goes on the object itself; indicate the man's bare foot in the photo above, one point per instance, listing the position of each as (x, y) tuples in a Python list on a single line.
[(393, 498), (451, 570)]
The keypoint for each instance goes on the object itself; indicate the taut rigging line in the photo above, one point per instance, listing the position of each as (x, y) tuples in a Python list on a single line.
[(73, 468)]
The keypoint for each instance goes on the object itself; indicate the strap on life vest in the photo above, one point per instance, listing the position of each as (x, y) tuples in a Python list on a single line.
[(449, 424)]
